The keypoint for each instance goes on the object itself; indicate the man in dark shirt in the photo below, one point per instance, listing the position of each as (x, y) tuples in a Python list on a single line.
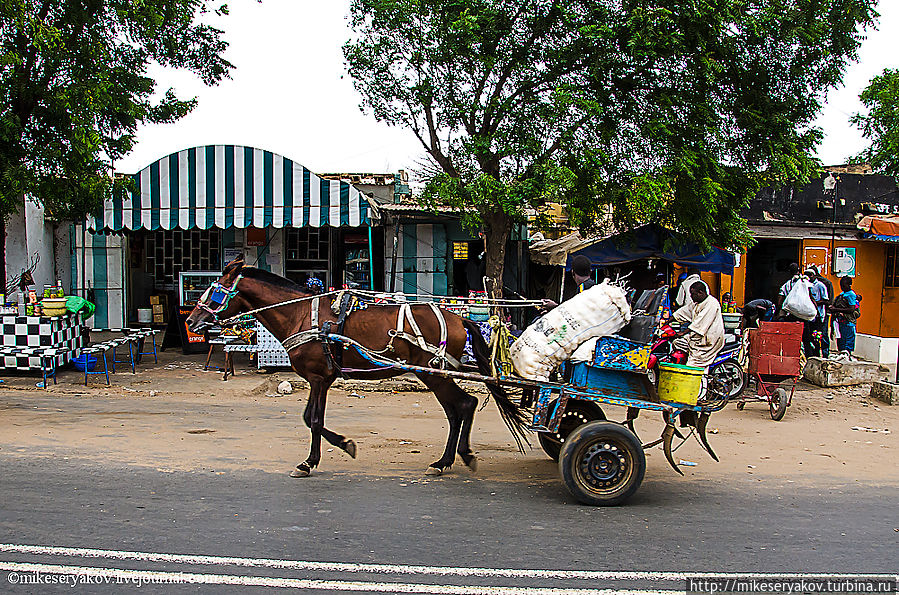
[(581, 268), (757, 310)]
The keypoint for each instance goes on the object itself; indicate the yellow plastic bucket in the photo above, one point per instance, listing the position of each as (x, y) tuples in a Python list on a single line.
[(679, 383)]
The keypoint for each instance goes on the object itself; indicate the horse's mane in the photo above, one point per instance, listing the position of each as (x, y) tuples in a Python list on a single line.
[(273, 279)]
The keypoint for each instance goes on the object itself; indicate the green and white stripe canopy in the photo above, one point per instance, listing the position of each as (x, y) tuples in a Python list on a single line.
[(232, 186)]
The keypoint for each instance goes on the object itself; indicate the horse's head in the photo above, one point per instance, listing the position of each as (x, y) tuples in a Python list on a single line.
[(217, 302)]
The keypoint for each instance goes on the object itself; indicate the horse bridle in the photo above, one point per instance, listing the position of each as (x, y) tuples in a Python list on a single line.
[(218, 297)]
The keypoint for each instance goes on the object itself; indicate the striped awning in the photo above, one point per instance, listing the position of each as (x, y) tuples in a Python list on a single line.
[(232, 186)]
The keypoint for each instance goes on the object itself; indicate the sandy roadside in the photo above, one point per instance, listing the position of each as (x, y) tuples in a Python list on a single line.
[(195, 422)]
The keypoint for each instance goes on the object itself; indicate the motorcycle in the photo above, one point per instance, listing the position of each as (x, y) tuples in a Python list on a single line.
[(726, 368)]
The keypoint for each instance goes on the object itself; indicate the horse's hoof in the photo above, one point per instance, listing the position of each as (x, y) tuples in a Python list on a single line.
[(350, 447), (472, 463), (302, 470), (434, 471)]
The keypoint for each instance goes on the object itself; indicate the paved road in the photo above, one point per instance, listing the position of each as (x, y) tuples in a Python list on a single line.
[(455, 522)]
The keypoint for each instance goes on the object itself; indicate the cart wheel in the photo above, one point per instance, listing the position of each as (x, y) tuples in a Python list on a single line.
[(731, 375), (602, 463), (741, 405), (577, 413), (778, 404)]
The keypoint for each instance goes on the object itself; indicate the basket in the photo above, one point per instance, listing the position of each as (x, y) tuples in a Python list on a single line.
[(679, 383), (84, 360)]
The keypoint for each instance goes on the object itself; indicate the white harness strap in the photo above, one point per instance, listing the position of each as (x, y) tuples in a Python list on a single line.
[(440, 355), (302, 337)]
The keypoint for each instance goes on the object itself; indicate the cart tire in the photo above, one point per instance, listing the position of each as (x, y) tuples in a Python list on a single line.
[(778, 404), (577, 413), (741, 405), (731, 374), (602, 463)]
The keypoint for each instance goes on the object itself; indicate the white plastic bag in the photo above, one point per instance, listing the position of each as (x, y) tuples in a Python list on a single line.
[(799, 303), (599, 311)]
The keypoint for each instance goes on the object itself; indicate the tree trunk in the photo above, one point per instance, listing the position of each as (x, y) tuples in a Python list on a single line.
[(3, 251), (497, 228)]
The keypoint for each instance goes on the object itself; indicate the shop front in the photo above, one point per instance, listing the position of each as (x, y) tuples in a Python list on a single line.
[(193, 211)]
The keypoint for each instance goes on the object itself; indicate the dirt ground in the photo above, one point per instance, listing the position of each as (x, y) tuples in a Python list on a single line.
[(175, 416)]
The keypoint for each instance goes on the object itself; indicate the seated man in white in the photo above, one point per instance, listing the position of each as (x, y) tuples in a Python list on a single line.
[(703, 337)]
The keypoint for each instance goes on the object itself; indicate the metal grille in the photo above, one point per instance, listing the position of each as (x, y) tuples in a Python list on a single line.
[(170, 252)]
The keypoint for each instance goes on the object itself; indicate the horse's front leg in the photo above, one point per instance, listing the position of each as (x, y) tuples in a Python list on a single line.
[(314, 417)]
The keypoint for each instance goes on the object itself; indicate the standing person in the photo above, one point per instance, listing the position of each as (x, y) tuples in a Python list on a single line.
[(683, 294), (818, 292), (581, 267), (703, 337), (786, 287), (846, 307), (825, 322)]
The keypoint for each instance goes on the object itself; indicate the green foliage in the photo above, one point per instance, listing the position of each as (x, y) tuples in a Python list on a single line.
[(75, 85), (666, 111), (881, 124)]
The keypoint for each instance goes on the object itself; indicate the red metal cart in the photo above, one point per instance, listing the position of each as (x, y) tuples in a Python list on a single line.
[(775, 352)]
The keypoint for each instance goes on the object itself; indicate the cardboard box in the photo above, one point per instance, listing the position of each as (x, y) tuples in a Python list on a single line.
[(159, 319), (157, 299), (158, 309)]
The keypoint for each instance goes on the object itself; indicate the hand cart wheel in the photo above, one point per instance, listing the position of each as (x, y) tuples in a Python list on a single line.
[(602, 463), (778, 404)]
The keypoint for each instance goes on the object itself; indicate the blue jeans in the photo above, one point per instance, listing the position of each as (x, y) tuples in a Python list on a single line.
[(846, 342)]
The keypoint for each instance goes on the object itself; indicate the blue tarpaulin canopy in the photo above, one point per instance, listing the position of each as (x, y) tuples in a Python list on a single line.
[(653, 241)]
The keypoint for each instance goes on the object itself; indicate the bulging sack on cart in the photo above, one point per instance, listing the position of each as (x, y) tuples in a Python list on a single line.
[(799, 303), (601, 310)]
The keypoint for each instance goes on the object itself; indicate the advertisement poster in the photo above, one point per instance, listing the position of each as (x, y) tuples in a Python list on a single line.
[(190, 342)]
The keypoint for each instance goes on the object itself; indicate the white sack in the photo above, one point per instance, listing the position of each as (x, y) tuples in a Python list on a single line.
[(585, 352), (599, 311), (799, 303)]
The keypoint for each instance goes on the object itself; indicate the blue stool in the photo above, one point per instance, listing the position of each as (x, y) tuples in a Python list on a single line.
[(114, 343), (144, 334), (99, 348)]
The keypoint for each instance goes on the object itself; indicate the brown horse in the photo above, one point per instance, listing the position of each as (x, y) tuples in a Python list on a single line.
[(244, 289)]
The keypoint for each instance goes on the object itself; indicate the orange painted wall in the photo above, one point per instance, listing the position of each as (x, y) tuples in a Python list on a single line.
[(720, 284), (877, 317)]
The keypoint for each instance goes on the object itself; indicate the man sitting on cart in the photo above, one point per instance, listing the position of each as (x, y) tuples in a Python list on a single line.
[(703, 337)]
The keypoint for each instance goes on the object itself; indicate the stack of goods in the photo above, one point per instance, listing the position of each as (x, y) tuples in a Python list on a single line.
[(478, 310), (159, 305), (53, 304), (599, 311)]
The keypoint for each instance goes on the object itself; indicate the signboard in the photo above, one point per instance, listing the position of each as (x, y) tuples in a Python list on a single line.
[(190, 342), (844, 262), (231, 253)]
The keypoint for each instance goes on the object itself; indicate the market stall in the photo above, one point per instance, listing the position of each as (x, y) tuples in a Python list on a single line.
[(63, 333)]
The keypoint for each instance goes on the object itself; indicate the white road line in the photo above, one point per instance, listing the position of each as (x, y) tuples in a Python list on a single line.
[(81, 574), (411, 569)]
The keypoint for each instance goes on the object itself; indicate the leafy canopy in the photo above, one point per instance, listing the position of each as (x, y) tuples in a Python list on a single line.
[(74, 85), (881, 124), (657, 111)]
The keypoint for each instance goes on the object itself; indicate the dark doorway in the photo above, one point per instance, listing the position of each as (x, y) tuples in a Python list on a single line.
[(767, 267)]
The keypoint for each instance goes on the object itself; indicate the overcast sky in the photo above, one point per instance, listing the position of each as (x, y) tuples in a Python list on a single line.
[(289, 94)]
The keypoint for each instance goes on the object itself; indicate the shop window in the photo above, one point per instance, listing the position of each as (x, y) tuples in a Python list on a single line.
[(308, 250), (892, 267), (171, 252)]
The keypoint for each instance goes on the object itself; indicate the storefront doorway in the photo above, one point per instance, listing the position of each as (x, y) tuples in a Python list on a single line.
[(767, 267)]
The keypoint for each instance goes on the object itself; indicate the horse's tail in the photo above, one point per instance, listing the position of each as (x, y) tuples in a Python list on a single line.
[(512, 415)]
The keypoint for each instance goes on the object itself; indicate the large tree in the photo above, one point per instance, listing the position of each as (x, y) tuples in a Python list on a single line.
[(880, 124), (74, 86), (652, 111)]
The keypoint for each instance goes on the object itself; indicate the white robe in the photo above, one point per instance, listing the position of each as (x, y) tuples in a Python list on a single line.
[(707, 336), (683, 294)]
